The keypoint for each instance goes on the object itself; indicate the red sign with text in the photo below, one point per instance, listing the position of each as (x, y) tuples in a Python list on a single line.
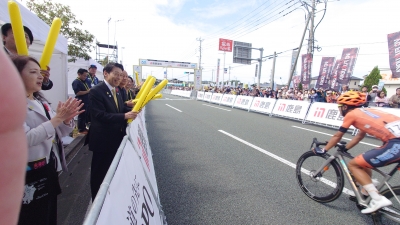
[(225, 45)]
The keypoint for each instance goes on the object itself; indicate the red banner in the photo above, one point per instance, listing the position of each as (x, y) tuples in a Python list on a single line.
[(325, 72), (225, 45), (333, 84), (306, 69), (349, 58), (394, 54)]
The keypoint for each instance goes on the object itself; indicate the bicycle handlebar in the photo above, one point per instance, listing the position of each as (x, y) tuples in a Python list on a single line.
[(341, 144)]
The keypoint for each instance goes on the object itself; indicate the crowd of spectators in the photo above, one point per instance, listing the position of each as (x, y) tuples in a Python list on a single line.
[(375, 97)]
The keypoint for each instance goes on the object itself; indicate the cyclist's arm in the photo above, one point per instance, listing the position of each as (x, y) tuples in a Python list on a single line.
[(356, 139), (334, 140)]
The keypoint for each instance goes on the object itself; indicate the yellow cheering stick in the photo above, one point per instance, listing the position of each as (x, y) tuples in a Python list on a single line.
[(145, 90), (50, 43), (137, 78), (154, 91), (142, 88), (157, 96), (17, 28)]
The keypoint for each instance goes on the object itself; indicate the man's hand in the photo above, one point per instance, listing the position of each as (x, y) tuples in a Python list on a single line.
[(130, 104), (131, 115), (318, 150), (46, 75)]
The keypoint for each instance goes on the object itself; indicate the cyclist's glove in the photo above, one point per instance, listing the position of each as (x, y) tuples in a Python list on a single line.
[(319, 151)]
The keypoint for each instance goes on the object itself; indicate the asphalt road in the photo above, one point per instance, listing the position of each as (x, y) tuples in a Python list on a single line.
[(212, 168)]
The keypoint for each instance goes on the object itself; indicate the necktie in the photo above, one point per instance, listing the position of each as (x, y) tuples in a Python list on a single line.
[(115, 97)]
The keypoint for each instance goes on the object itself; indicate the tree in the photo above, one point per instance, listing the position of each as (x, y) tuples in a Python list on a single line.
[(80, 42), (300, 87), (373, 79)]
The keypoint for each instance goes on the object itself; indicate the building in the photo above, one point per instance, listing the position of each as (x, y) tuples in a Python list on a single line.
[(355, 82)]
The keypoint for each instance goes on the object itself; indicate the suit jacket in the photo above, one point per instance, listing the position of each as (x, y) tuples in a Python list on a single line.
[(108, 124), (41, 133)]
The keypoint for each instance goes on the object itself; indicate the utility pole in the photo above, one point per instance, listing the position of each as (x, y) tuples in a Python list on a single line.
[(223, 72), (259, 68), (229, 76), (108, 42), (311, 29), (273, 72), (200, 40), (212, 76)]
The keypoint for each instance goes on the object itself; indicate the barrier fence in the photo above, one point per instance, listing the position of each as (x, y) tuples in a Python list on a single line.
[(129, 192), (319, 113)]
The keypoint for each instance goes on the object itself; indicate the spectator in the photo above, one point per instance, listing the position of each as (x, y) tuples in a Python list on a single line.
[(11, 49), (345, 88), (331, 97), (129, 89), (373, 94), (44, 129), (313, 96), (306, 96), (81, 90), (279, 95), (92, 80), (394, 101), (364, 90), (381, 100)]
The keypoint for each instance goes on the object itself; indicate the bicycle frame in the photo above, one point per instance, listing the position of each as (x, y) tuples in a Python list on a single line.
[(340, 155)]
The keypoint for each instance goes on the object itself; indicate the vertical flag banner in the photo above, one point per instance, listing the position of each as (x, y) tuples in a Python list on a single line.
[(325, 72), (294, 55), (394, 54), (225, 45), (349, 58), (306, 70), (333, 84), (218, 71)]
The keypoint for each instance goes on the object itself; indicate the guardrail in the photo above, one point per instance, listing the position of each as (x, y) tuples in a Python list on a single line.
[(129, 192), (319, 113)]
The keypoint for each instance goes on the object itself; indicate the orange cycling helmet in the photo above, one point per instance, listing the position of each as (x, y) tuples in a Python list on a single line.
[(353, 98)]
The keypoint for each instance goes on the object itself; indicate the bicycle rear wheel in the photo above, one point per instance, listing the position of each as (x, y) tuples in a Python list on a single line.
[(391, 214), (323, 187)]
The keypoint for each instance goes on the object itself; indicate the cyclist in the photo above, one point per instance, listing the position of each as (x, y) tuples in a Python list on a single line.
[(379, 124)]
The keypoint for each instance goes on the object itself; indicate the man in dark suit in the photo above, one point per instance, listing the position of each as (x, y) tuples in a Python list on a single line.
[(109, 118), (10, 48)]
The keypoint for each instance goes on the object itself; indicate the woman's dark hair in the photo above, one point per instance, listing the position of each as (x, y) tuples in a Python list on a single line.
[(20, 62), (379, 94), (130, 78)]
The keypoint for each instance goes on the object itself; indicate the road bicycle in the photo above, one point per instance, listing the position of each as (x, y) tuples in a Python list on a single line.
[(321, 178)]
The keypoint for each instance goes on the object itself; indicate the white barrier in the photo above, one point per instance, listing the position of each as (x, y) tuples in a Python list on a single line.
[(291, 109), (264, 105), (216, 98), (200, 95), (243, 102), (326, 114), (181, 93), (228, 100), (207, 96), (129, 193)]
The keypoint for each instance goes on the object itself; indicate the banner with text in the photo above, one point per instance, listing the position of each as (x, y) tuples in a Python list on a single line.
[(325, 72), (333, 82), (264, 105), (349, 58), (291, 108), (207, 96), (325, 113), (228, 100), (394, 53), (306, 69), (216, 98), (200, 95), (243, 102), (129, 199)]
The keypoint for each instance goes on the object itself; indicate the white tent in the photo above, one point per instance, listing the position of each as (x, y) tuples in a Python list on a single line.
[(58, 64), (73, 68)]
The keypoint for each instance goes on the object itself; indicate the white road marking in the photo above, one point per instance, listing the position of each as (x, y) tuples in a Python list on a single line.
[(173, 108), (365, 143), (216, 107), (326, 181)]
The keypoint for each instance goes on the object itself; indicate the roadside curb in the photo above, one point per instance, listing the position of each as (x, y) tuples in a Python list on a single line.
[(74, 147)]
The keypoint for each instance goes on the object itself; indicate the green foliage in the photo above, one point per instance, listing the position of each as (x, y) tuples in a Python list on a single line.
[(372, 78), (300, 87), (79, 41)]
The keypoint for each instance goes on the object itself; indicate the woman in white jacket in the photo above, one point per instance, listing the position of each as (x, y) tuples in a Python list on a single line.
[(44, 129)]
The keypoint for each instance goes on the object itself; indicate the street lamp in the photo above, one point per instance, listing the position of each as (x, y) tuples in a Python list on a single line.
[(108, 41)]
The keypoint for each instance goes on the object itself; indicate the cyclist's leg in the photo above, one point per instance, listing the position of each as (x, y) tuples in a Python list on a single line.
[(385, 155)]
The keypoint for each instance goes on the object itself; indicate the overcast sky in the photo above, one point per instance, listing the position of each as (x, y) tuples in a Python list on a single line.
[(168, 29)]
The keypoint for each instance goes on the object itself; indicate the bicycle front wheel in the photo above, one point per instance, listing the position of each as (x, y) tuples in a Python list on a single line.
[(323, 187)]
